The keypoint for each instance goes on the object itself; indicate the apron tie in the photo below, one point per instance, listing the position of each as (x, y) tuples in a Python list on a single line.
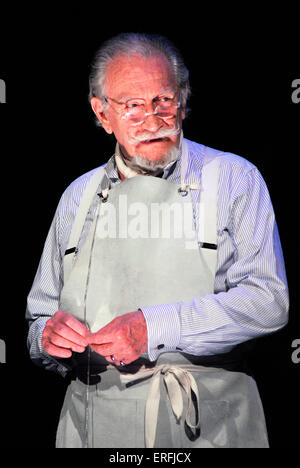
[(174, 378)]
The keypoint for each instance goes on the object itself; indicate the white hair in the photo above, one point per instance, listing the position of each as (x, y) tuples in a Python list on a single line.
[(145, 45)]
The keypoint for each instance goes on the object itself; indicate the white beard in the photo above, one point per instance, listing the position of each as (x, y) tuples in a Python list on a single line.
[(142, 165)]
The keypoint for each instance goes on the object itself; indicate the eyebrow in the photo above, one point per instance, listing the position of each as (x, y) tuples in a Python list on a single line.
[(122, 98)]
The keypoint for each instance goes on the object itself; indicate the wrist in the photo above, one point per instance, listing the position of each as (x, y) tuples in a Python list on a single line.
[(139, 331)]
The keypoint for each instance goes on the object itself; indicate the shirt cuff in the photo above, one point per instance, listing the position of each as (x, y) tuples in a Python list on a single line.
[(163, 328), (42, 358)]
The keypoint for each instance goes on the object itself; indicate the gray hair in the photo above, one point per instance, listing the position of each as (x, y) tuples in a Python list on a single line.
[(145, 45)]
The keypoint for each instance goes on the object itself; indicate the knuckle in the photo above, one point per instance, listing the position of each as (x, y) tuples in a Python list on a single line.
[(49, 322), (58, 314)]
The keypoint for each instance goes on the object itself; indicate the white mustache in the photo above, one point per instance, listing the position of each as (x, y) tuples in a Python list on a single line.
[(162, 133)]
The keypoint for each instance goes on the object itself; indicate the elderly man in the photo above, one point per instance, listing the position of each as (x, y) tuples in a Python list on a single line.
[(159, 266)]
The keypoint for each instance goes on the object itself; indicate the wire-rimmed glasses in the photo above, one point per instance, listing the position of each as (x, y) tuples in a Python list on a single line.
[(134, 111)]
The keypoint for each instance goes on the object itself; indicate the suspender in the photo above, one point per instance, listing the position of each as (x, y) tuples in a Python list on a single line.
[(207, 230), (81, 214)]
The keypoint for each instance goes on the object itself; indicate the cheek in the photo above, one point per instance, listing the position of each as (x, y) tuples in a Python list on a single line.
[(119, 130), (123, 134)]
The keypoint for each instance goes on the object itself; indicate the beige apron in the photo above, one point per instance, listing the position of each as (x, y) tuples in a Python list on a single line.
[(131, 259)]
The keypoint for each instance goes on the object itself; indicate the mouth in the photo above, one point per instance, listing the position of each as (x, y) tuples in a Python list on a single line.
[(154, 140)]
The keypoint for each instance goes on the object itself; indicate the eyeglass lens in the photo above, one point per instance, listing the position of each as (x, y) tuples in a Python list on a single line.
[(138, 114)]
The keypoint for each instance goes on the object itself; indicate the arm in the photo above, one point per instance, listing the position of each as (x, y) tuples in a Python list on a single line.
[(52, 334), (255, 299), (43, 299)]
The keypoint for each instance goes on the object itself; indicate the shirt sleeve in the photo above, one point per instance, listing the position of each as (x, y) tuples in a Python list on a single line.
[(255, 298), (44, 296), (43, 299)]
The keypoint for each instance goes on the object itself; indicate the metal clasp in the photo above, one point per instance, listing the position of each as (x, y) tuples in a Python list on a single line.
[(183, 191)]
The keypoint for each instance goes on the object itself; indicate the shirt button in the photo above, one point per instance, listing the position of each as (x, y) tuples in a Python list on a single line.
[(160, 346)]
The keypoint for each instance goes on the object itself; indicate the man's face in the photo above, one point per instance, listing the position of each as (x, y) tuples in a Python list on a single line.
[(136, 77)]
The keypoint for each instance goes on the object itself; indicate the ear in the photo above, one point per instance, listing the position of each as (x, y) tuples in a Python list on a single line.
[(98, 108), (183, 109)]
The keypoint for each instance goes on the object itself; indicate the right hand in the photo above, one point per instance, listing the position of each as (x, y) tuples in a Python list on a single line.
[(63, 334)]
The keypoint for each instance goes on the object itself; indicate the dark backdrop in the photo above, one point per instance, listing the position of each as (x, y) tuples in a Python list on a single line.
[(242, 67)]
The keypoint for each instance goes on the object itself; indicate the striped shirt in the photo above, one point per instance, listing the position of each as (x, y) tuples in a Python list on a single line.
[(250, 296)]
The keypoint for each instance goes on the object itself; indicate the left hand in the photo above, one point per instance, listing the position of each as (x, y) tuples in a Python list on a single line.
[(124, 338)]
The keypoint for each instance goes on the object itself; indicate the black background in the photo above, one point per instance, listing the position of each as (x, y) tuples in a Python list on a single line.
[(242, 64)]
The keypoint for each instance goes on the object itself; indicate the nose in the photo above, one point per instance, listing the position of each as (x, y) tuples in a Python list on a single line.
[(152, 123)]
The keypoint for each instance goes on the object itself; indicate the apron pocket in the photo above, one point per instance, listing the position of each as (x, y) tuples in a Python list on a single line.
[(117, 422)]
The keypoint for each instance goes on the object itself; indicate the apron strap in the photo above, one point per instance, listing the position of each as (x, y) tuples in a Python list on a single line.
[(81, 214), (208, 201), (207, 230)]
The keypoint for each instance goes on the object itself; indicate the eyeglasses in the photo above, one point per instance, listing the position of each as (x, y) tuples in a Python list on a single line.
[(134, 112)]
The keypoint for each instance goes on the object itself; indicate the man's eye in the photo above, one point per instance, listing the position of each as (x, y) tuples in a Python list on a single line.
[(165, 99), (132, 105)]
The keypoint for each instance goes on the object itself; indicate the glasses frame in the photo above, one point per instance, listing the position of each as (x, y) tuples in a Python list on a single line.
[(146, 114)]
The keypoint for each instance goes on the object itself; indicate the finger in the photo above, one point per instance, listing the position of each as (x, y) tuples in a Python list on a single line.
[(69, 334), (100, 338), (72, 322), (104, 350), (98, 349), (61, 342), (56, 351)]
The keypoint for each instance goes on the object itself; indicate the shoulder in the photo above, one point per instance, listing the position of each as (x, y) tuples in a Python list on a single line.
[(68, 205), (229, 160), (235, 170), (238, 176)]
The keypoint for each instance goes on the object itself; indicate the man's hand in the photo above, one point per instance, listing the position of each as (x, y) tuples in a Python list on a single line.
[(124, 338), (63, 334)]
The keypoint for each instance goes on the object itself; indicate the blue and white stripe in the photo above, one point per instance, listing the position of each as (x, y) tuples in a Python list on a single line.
[(250, 293)]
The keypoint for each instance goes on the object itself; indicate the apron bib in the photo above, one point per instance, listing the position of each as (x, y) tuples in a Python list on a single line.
[(142, 250)]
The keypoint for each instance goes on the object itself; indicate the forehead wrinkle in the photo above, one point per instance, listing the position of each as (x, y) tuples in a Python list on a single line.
[(125, 73)]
